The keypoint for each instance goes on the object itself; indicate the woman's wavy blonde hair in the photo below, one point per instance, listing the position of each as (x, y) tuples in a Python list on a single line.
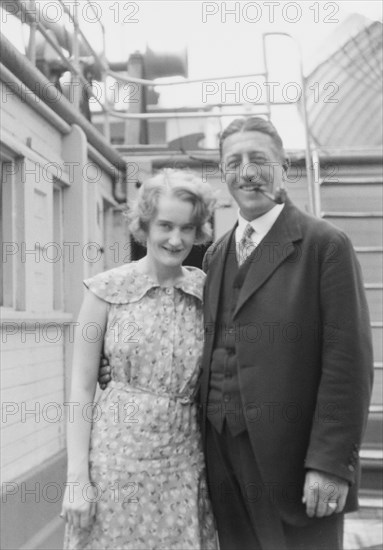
[(182, 184)]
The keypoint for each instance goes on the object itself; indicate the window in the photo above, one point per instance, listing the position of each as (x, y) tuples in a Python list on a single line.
[(9, 246), (59, 252)]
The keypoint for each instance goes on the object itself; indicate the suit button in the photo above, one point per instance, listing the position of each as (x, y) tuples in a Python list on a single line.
[(226, 397), (351, 468)]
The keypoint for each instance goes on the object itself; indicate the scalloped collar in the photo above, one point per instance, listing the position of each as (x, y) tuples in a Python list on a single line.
[(125, 284)]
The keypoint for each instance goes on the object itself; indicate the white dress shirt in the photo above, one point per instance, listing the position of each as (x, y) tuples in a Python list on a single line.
[(261, 225)]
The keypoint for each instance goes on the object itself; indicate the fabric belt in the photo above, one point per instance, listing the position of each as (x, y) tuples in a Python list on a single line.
[(182, 397)]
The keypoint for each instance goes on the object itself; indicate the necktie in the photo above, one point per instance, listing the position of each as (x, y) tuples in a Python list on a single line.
[(245, 245)]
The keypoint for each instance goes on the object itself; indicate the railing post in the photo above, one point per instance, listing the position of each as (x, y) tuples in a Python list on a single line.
[(265, 66), (309, 168), (75, 80), (316, 188), (106, 122), (32, 36)]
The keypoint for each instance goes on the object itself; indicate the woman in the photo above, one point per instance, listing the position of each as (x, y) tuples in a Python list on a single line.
[(136, 475)]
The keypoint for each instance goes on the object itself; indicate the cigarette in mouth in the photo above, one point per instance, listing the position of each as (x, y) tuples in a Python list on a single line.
[(268, 195)]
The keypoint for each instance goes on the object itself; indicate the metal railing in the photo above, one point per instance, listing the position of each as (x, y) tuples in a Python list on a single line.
[(316, 199), (78, 80)]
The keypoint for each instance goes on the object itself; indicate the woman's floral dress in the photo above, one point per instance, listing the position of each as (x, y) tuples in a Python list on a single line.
[(146, 460)]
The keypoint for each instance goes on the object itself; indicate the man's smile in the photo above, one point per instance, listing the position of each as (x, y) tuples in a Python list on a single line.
[(250, 187)]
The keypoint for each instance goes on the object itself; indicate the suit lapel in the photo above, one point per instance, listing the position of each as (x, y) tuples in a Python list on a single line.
[(274, 249), (215, 274)]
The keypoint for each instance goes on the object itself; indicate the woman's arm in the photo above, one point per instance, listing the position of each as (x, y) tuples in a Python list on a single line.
[(89, 337)]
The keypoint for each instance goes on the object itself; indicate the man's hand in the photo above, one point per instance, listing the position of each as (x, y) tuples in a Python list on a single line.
[(324, 494), (104, 376)]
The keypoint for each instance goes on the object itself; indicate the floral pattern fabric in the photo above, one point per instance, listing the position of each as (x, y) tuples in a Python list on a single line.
[(146, 459)]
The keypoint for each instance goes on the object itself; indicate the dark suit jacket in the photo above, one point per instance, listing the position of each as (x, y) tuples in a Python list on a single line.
[(303, 343)]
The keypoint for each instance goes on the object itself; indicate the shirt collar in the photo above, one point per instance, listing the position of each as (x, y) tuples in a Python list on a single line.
[(192, 283), (124, 284), (261, 225)]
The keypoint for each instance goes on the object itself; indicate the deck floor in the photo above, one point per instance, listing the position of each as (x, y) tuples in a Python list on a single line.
[(360, 534)]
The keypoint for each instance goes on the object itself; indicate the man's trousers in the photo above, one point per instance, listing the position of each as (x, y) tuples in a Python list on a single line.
[(244, 508)]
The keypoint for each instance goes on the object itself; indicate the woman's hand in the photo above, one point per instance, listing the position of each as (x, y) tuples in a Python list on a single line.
[(79, 504)]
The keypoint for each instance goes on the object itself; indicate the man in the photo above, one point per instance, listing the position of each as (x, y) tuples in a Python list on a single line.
[(287, 368)]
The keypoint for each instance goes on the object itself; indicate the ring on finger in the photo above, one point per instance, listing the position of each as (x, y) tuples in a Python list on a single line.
[(332, 505)]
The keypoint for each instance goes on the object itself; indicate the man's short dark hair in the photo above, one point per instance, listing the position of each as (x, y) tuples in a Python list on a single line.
[(253, 124)]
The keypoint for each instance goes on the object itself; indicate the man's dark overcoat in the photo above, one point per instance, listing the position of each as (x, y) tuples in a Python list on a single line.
[(303, 344)]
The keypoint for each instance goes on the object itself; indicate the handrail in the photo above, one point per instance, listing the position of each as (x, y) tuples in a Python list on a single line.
[(266, 75), (76, 58), (31, 52), (34, 23), (102, 65), (34, 80), (308, 158), (145, 82), (74, 68), (67, 62), (316, 184), (181, 114)]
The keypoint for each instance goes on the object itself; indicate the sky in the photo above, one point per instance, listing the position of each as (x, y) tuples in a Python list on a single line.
[(222, 36)]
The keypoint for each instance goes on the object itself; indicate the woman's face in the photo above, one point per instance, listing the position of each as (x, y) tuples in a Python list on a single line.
[(171, 233)]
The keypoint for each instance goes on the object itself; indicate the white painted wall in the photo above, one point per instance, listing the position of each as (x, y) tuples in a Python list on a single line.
[(36, 337)]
